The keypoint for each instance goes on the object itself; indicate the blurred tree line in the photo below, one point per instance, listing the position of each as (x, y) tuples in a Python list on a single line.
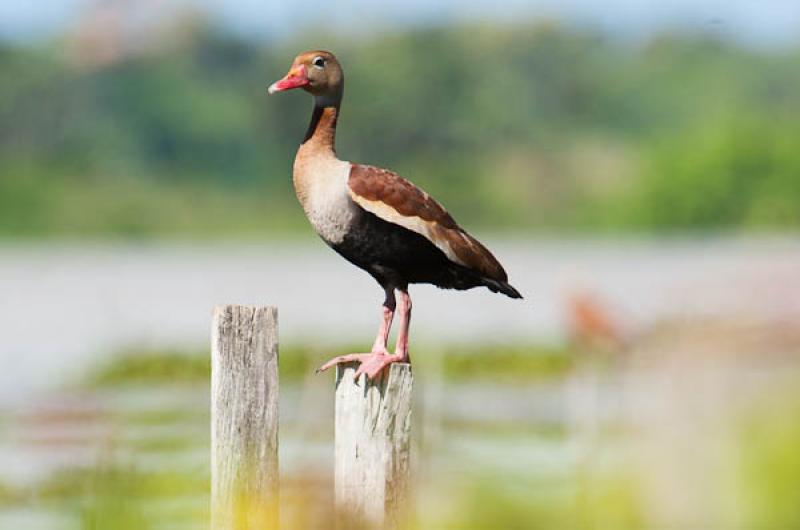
[(523, 128)]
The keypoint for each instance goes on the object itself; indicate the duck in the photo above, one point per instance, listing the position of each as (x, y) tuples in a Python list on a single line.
[(377, 220)]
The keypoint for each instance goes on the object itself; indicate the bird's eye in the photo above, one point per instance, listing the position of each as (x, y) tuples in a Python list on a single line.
[(319, 62)]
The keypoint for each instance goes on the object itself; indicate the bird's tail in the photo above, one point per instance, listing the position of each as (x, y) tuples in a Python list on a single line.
[(502, 287)]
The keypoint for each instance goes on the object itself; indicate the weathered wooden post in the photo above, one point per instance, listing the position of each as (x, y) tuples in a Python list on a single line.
[(244, 418), (373, 422)]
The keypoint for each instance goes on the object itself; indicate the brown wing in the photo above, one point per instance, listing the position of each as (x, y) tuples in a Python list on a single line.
[(396, 200)]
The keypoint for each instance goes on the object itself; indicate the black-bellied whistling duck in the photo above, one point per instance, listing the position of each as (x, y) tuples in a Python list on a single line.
[(377, 220)]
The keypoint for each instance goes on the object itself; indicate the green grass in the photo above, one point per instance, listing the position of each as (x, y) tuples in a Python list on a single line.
[(473, 363), (145, 366), (507, 363)]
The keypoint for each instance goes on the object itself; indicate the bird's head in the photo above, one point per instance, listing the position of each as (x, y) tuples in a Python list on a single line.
[(317, 72)]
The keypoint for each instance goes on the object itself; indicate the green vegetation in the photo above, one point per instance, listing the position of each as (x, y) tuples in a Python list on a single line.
[(492, 362), (519, 362), (769, 463), (137, 367), (614, 502), (744, 170), (519, 128), (150, 468)]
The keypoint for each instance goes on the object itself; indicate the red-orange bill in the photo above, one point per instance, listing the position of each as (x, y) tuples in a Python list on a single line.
[(296, 78)]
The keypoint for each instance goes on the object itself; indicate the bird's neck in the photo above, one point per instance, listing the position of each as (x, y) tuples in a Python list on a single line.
[(321, 133), (317, 169)]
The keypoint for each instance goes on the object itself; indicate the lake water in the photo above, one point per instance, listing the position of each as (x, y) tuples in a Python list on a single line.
[(64, 306)]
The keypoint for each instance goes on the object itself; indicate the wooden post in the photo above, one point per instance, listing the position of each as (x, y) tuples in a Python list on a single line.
[(244, 418), (373, 422)]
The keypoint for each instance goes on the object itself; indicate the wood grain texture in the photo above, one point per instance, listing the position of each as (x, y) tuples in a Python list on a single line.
[(373, 424), (244, 418)]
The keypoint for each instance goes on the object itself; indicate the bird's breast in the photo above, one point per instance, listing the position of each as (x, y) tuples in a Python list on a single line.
[(321, 187)]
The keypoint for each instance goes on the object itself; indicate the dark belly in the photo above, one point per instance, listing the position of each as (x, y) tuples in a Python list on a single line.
[(397, 256)]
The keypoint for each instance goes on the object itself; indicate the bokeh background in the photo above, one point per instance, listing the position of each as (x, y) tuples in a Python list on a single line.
[(635, 165)]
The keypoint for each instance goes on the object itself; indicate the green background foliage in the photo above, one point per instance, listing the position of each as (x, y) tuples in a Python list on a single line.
[(524, 128)]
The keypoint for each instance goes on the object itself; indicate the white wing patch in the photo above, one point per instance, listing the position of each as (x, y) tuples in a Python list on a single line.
[(434, 232)]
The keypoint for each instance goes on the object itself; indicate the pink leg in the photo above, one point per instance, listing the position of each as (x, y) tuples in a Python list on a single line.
[(401, 347), (373, 363), (379, 346)]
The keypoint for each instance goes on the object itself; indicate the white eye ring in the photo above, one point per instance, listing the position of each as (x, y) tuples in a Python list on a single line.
[(318, 61)]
